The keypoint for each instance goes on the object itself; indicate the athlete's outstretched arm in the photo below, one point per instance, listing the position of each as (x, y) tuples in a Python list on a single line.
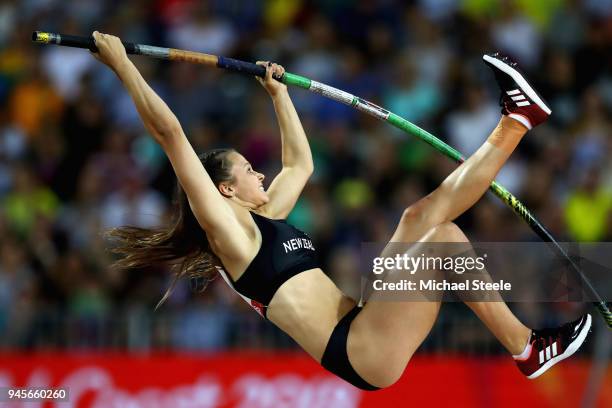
[(207, 204), (296, 156)]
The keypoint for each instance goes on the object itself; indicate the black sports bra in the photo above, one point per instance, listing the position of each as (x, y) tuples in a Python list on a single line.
[(285, 252)]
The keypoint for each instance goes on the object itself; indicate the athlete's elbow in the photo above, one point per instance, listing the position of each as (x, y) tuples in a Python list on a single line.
[(309, 169), (307, 165)]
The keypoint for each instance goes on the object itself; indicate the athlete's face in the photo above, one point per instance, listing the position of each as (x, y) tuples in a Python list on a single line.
[(247, 184)]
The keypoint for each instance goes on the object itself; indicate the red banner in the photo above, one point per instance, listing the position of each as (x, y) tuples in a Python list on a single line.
[(258, 380)]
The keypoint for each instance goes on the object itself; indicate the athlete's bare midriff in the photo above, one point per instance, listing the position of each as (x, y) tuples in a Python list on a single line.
[(307, 307)]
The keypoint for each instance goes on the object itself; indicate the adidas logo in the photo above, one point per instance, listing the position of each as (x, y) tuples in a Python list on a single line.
[(546, 354), (518, 97)]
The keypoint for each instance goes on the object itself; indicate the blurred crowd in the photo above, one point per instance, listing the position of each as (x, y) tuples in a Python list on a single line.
[(75, 159)]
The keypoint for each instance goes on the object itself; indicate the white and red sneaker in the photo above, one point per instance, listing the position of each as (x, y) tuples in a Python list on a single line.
[(518, 100), (549, 346)]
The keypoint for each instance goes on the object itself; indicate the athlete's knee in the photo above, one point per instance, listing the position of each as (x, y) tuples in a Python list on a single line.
[(414, 214), (422, 214)]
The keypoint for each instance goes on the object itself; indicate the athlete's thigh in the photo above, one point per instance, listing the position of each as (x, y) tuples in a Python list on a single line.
[(387, 333)]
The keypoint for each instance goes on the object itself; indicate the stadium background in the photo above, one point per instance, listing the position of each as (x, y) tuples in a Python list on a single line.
[(75, 161)]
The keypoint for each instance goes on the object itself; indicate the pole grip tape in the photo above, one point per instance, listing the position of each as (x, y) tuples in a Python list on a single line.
[(75, 41), (241, 66), (88, 42), (79, 42)]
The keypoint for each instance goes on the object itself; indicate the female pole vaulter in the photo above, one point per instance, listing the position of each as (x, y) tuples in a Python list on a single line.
[(227, 223)]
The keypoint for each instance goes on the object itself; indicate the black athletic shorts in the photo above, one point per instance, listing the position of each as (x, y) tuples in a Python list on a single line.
[(335, 358)]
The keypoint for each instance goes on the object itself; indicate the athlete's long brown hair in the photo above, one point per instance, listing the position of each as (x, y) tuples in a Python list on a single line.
[(182, 243)]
